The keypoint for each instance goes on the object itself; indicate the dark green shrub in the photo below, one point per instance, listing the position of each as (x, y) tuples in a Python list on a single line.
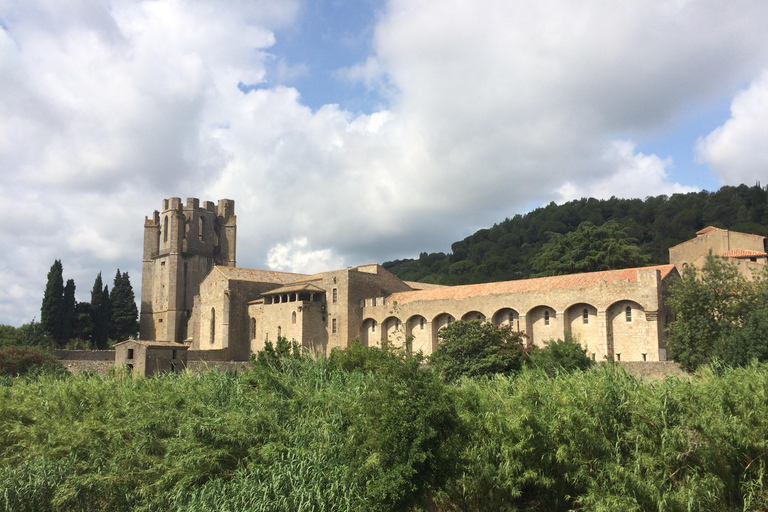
[(476, 348), (19, 361), (558, 356)]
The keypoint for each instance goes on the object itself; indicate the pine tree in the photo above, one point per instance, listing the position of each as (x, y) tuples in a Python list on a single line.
[(100, 314), (70, 306), (52, 314), (124, 311)]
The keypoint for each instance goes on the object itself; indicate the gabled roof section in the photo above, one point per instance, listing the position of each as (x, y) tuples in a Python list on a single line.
[(294, 288), (707, 230), (149, 343), (742, 253), (258, 276), (571, 281), (423, 286)]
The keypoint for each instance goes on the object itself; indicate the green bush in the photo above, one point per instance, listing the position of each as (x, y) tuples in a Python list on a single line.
[(558, 356), (19, 361), (477, 348)]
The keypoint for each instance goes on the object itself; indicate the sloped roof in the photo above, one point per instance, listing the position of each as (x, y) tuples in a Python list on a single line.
[(708, 229), (295, 287), (742, 253), (423, 286), (150, 343), (258, 276), (570, 281)]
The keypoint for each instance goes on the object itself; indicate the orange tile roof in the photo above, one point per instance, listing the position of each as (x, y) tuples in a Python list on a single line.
[(259, 276), (423, 286), (706, 230), (570, 281), (742, 253)]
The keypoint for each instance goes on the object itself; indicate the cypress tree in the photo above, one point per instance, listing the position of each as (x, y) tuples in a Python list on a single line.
[(52, 313), (70, 305), (100, 314), (124, 311)]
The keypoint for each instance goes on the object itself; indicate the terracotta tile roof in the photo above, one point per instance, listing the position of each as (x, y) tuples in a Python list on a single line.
[(259, 276), (742, 253), (149, 343), (570, 281), (423, 286), (295, 287), (706, 230)]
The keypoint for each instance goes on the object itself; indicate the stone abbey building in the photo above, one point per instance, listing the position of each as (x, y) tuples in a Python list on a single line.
[(193, 293)]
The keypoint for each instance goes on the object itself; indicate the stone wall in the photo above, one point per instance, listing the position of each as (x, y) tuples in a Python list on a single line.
[(85, 355)]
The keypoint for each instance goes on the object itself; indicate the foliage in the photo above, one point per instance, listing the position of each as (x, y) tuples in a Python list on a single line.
[(322, 438), (53, 314), (124, 320), (718, 315), (31, 335), (101, 314), (70, 309), (560, 356), (589, 248), (504, 251), (476, 348), (20, 361)]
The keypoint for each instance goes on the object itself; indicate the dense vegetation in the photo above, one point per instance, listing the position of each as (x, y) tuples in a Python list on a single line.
[(719, 315), (374, 430), (506, 250), (106, 319)]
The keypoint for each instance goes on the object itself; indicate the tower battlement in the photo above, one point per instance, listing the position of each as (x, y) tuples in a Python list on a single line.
[(182, 242)]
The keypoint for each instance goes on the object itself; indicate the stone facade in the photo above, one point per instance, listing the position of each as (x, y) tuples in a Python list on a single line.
[(745, 251), (193, 292), (181, 245), (150, 357)]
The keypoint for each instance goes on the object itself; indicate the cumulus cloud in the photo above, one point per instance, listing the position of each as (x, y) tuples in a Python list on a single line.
[(632, 174), (491, 106), (737, 151)]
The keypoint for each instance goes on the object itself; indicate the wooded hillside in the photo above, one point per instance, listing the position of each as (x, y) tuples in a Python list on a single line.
[(503, 252)]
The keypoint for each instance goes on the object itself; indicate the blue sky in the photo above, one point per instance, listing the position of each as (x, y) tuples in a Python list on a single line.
[(350, 132)]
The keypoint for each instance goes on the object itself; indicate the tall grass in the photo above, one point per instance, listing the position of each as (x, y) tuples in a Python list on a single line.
[(313, 436)]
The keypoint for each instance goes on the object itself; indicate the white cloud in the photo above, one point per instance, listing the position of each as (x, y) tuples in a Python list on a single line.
[(738, 150), (108, 107), (295, 256), (632, 174)]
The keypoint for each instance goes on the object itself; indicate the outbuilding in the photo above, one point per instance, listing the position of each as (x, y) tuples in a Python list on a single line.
[(150, 357)]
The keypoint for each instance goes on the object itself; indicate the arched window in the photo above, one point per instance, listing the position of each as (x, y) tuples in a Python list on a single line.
[(253, 328), (629, 313), (546, 317), (165, 229), (585, 316), (279, 332), (422, 322), (200, 228), (293, 317), (213, 324)]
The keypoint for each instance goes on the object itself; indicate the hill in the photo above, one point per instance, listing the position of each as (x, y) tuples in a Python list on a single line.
[(503, 251)]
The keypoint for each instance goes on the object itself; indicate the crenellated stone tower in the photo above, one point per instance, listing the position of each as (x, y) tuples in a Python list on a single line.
[(181, 244)]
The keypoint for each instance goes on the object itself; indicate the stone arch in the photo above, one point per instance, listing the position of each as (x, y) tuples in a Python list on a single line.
[(628, 332), (438, 323), (393, 332), (473, 315), (416, 329), (541, 325), (368, 334), (581, 322), (507, 316)]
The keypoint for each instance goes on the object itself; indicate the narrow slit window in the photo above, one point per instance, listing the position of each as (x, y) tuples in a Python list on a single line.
[(585, 316), (333, 326), (422, 322), (335, 294), (629, 313), (546, 317)]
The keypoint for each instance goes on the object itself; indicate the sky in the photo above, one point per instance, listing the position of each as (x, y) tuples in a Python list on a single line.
[(355, 131)]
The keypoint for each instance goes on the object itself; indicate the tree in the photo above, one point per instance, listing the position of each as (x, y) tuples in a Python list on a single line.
[(476, 348), (53, 311), (124, 322), (100, 314), (589, 248), (70, 308), (707, 309), (560, 356)]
